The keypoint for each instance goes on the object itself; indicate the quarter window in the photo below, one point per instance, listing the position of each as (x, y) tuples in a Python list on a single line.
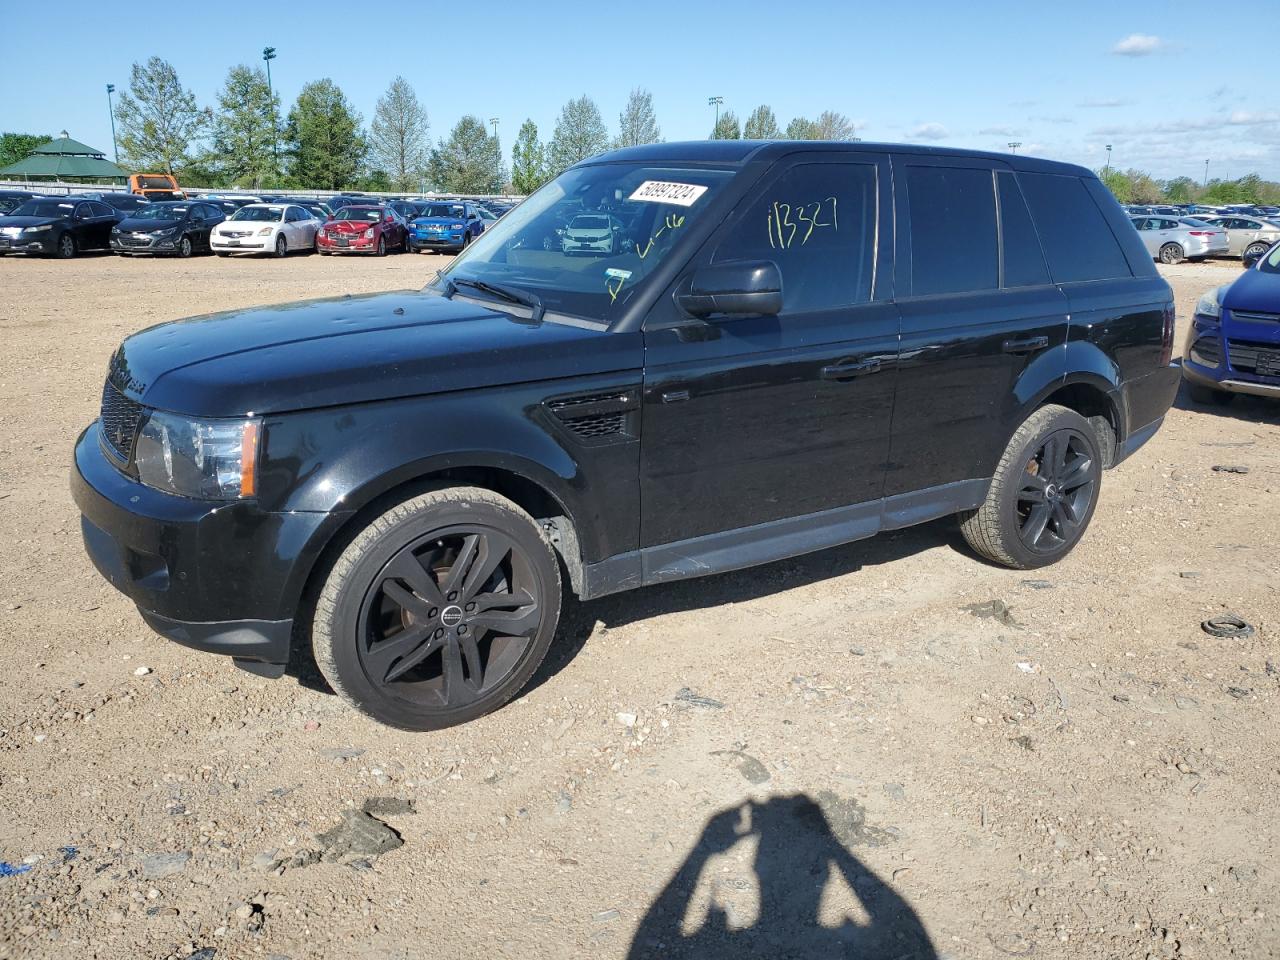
[(817, 222), (1076, 238), (953, 230)]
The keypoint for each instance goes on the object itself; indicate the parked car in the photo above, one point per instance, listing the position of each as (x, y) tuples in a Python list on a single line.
[(155, 186), (58, 227), (1246, 235), (759, 377), (1213, 234), (126, 203), (1233, 345), (318, 209), (1171, 241), (407, 209), (593, 233), (275, 228), (364, 229), (176, 228), (446, 225), (11, 199)]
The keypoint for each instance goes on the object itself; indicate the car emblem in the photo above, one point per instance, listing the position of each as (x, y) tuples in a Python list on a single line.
[(120, 436), (451, 616)]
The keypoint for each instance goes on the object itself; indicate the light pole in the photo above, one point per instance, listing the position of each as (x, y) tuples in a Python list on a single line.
[(269, 54), (494, 121), (715, 102), (1206, 173), (111, 88), (1107, 169), (1014, 145)]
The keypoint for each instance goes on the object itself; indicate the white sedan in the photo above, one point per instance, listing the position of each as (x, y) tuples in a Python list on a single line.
[(274, 228)]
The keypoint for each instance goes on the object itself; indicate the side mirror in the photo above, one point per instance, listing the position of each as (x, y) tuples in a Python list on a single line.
[(734, 288)]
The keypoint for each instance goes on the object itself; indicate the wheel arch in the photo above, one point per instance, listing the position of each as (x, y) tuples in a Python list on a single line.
[(1088, 382)]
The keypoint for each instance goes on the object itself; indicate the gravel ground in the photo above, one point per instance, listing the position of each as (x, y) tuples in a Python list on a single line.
[(889, 749)]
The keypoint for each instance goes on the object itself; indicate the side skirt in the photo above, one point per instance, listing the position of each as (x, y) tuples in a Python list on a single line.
[(777, 539)]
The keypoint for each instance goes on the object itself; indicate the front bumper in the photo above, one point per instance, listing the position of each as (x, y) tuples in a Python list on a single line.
[(25, 245), (355, 244), (218, 577), (241, 244), (1205, 376), (436, 241), (148, 245)]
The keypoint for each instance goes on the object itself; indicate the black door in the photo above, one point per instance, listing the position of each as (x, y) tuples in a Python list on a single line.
[(973, 319), (754, 419)]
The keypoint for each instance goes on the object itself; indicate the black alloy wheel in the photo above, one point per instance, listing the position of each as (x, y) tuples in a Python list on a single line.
[(184, 247), (1057, 491), (439, 611), (66, 248)]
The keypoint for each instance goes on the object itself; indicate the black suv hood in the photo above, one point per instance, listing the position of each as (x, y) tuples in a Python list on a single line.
[(344, 350)]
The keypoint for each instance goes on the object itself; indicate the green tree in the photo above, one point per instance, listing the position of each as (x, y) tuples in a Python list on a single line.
[(727, 127), (1225, 191), (1118, 182), (470, 161), (18, 146), (322, 134), (1181, 190), (398, 140), (638, 124), (158, 121), (833, 126), (802, 129), (761, 125), (580, 133), (528, 160), (374, 181), (244, 129)]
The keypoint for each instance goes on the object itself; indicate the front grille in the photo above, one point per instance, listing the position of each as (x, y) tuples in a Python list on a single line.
[(135, 241), (120, 419), (1207, 351), (1244, 355), (1255, 317)]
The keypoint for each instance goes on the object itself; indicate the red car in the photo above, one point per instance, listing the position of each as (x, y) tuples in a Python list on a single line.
[(363, 229)]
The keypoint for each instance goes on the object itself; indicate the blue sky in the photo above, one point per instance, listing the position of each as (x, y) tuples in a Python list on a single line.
[(1159, 80)]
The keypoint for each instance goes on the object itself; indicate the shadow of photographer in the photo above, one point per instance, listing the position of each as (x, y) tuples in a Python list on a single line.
[(796, 859)]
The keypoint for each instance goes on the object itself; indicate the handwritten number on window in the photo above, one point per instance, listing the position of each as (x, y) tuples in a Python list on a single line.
[(789, 224)]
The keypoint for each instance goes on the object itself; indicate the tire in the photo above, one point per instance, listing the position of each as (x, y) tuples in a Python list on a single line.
[(183, 249), (66, 248), (1171, 253), (1258, 248), (323, 253), (1043, 494), (382, 245), (221, 253), (447, 668), (1209, 396), (282, 246)]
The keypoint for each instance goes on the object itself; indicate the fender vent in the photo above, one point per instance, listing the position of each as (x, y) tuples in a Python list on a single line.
[(598, 417)]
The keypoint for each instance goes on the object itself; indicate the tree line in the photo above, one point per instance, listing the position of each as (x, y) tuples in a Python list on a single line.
[(1136, 186)]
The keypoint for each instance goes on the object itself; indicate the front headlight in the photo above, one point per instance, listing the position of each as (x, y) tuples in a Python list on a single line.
[(165, 233), (265, 231), (205, 459), (368, 234), (455, 226), (1210, 304), (39, 229)]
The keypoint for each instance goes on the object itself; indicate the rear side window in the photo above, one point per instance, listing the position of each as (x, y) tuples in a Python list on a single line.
[(1023, 259), (953, 230), (1079, 244), (817, 222)]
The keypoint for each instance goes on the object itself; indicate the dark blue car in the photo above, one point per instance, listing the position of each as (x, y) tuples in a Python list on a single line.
[(1234, 343), (446, 225)]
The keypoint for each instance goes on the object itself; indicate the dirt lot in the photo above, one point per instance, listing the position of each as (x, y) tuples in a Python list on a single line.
[(889, 749)]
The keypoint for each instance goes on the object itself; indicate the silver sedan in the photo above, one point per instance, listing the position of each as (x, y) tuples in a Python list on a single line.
[(1247, 234), (1171, 241)]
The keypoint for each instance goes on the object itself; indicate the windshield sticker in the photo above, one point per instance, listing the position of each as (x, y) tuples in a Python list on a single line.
[(614, 279), (620, 274), (662, 191), (783, 230), (671, 222)]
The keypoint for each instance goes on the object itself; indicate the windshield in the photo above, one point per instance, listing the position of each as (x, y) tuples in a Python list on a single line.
[(366, 214), (258, 213), (643, 211), (160, 211), (442, 210), (45, 208)]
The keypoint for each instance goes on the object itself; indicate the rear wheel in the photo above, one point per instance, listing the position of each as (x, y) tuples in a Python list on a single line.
[(1255, 250), (1043, 494), (439, 611), (66, 248), (1171, 253), (1209, 396)]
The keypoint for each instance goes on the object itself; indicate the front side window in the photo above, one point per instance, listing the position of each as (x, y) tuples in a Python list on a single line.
[(1076, 237), (953, 230), (649, 208), (817, 222)]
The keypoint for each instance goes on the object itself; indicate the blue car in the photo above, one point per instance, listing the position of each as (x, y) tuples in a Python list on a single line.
[(1234, 343), (447, 225)]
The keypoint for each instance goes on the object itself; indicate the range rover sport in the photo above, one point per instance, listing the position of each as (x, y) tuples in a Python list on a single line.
[(788, 346)]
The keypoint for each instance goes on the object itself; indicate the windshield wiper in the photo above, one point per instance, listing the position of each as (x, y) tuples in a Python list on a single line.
[(509, 294)]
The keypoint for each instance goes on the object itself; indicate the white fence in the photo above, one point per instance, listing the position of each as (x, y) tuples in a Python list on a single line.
[(61, 188)]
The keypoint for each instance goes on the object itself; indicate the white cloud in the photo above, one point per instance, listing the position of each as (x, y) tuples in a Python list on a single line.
[(1103, 103), (1138, 45), (930, 131), (999, 132)]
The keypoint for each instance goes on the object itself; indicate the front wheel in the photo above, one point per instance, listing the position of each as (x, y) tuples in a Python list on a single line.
[(1043, 494), (184, 247), (282, 246), (1171, 253), (439, 611), (66, 248), (382, 245)]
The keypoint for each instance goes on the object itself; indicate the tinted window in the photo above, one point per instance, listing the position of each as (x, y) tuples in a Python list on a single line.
[(1079, 244), (953, 230), (1023, 259), (817, 222)]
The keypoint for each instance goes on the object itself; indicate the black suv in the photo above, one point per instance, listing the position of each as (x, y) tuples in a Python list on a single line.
[(768, 349)]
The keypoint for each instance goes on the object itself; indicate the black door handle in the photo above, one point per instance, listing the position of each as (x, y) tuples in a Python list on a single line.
[(1029, 345), (851, 369)]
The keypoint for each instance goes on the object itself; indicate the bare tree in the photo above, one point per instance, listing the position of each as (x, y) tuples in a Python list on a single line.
[(833, 126), (637, 124), (398, 135)]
